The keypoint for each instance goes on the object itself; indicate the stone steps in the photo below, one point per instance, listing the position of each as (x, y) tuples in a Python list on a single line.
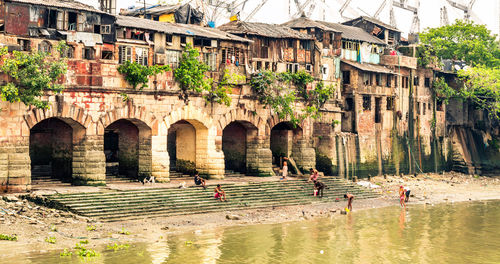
[(133, 204)]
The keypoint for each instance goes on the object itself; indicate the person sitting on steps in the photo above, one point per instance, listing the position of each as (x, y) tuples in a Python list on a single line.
[(219, 193), (199, 180), (314, 175)]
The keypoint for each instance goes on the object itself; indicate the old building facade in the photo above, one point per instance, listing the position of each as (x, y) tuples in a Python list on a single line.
[(92, 126)]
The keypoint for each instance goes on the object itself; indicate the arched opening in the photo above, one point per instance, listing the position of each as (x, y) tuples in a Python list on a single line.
[(283, 137), (181, 147), (127, 147), (51, 150), (237, 138)]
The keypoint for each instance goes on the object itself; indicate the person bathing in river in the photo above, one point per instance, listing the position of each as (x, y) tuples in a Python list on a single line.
[(349, 198), (407, 194), (219, 193), (314, 175), (402, 196)]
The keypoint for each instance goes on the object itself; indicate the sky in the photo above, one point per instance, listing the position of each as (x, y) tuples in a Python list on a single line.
[(277, 11)]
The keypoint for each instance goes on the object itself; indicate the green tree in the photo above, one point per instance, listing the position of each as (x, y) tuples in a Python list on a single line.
[(29, 75), (464, 41), (191, 73), (482, 87)]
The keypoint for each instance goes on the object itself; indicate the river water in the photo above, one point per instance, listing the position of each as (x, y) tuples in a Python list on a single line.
[(445, 233)]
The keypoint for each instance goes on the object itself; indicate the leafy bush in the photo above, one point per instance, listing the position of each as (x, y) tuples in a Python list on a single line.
[(186, 167), (8, 237), (30, 75), (137, 74)]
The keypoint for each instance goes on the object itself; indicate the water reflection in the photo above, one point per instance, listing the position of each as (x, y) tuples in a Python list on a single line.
[(460, 233)]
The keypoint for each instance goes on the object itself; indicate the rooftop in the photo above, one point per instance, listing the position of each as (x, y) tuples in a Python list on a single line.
[(372, 20), (353, 33), (262, 29), (304, 22), (70, 4), (154, 10), (176, 28)]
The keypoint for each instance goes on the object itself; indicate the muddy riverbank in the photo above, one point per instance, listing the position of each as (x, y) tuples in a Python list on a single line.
[(36, 227)]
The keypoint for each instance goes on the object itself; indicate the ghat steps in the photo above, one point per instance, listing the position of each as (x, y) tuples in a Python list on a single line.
[(134, 204)]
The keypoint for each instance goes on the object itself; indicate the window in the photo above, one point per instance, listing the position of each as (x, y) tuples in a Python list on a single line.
[(233, 55), (423, 109), (183, 40), (45, 46), (367, 78), (72, 20), (172, 58), (346, 77), (388, 80), (168, 39), (349, 104), (378, 79), (289, 43), (107, 55), (418, 108), (198, 42), (390, 103), (25, 44), (429, 106), (141, 56), (106, 29), (125, 54), (88, 53), (439, 105), (259, 66), (309, 68), (305, 44), (416, 80), (52, 18), (69, 52), (367, 102), (427, 82), (210, 59), (138, 35)]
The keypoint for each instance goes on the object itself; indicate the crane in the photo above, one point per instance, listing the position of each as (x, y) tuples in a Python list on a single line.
[(391, 11), (444, 17), (262, 3), (403, 4), (344, 7), (466, 8)]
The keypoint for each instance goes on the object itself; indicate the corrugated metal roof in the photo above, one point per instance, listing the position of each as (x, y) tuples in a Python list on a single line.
[(174, 28), (353, 33), (70, 4), (368, 67), (304, 22), (262, 29), (372, 20)]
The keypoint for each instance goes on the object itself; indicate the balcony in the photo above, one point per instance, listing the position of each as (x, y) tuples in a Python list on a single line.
[(399, 61)]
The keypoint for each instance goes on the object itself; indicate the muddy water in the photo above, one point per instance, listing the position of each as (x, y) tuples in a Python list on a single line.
[(446, 233)]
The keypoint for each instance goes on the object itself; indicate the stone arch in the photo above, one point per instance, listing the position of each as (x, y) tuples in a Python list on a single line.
[(242, 115), (59, 109), (130, 112), (54, 148), (209, 161), (240, 146), (127, 141)]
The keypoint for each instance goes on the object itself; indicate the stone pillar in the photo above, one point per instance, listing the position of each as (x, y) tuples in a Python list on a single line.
[(145, 156), (259, 157), (303, 154), (160, 159), (89, 161), (209, 161), (15, 166)]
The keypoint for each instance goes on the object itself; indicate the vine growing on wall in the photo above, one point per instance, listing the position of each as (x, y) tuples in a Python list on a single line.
[(137, 74), (30, 74), (282, 91)]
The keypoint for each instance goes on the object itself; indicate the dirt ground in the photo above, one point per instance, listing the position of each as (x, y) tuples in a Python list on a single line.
[(34, 226)]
